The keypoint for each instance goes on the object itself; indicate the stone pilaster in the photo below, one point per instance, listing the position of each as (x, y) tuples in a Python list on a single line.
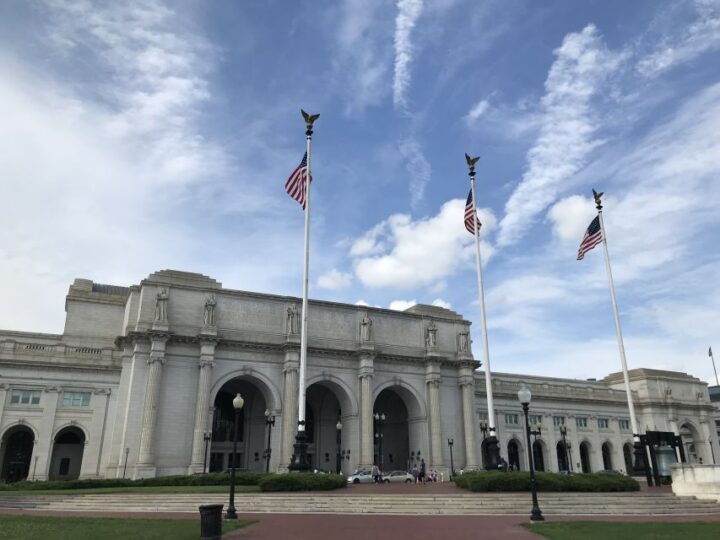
[(3, 396), (432, 380), (202, 405), (290, 405), (467, 387), (145, 467), (40, 466), (365, 376)]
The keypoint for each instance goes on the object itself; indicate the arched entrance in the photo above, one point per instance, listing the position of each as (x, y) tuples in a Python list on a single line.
[(628, 455), (17, 447), (585, 456), (562, 456), (251, 428), (67, 454), (513, 451), (607, 456), (391, 437), (322, 412), (538, 456), (690, 440)]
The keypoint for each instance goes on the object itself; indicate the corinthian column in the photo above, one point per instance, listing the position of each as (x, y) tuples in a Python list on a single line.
[(290, 403), (366, 410), (467, 385), (202, 406), (145, 467), (432, 378)]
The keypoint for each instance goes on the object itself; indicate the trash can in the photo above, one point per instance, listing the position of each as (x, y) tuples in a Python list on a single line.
[(211, 521)]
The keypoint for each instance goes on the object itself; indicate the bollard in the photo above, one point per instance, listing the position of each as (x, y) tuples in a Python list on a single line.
[(211, 521)]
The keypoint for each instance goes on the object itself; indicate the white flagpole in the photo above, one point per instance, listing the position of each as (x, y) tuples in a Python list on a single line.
[(710, 354), (303, 332), (618, 330), (481, 298)]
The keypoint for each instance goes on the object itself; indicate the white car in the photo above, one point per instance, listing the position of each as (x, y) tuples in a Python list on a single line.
[(360, 477), (399, 477)]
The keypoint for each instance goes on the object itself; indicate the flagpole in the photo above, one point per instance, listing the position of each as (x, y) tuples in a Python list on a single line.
[(493, 453), (618, 332), (710, 354), (300, 460)]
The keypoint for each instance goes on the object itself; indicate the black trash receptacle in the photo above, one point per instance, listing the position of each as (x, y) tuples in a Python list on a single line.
[(211, 521)]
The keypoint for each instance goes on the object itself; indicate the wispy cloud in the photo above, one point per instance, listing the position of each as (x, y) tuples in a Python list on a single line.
[(568, 130), (408, 13), (334, 280), (477, 111), (418, 168)]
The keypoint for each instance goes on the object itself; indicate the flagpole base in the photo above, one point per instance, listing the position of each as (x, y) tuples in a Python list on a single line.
[(300, 461), (493, 453)]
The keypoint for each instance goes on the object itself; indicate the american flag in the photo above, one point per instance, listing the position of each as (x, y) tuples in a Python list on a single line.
[(469, 212), (295, 185), (593, 236)]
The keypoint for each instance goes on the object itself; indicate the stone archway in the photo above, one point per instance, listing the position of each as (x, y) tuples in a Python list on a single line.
[(585, 457), (251, 428), (17, 448), (628, 457), (538, 448), (513, 453), (67, 454), (403, 443), (691, 439), (562, 456), (607, 456)]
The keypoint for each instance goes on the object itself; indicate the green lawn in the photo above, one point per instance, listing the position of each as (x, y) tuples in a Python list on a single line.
[(149, 489), (591, 530), (71, 528)]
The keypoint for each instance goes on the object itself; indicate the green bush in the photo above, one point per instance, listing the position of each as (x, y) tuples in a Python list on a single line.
[(520, 481), (302, 482)]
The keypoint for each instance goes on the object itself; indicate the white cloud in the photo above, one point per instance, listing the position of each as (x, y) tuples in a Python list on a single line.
[(567, 133), (408, 13), (334, 280), (439, 302), (476, 111), (361, 303), (418, 168), (422, 252), (402, 305), (571, 216), (701, 36)]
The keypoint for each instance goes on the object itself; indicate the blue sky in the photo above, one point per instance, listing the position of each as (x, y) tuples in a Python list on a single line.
[(145, 135)]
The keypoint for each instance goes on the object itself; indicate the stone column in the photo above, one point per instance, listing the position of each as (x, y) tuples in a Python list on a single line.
[(289, 406), (3, 396), (467, 387), (202, 405), (145, 467), (432, 379), (366, 409), (42, 451)]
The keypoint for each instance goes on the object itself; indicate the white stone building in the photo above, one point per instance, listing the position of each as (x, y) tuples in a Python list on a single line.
[(141, 374)]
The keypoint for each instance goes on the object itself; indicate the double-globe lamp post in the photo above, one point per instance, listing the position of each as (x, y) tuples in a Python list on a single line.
[(269, 422), (452, 464), (238, 403), (524, 395), (380, 419)]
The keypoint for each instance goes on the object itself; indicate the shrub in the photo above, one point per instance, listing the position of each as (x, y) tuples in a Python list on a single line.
[(520, 481), (302, 482)]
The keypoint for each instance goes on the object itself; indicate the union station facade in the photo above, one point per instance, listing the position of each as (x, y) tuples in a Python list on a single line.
[(140, 384)]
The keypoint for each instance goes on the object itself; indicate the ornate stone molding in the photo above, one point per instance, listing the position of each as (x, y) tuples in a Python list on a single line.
[(206, 363), (102, 391), (156, 358)]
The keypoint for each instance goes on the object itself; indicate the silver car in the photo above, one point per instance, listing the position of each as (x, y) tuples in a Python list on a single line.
[(398, 477), (360, 477)]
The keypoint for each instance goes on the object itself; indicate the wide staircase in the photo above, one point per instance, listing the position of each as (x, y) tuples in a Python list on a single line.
[(586, 504)]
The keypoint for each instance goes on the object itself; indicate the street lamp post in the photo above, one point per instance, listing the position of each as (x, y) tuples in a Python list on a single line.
[(566, 449), (269, 422), (206, 438), (238, 403), (524, 395), (380, 419), (452, 464), (338, 429)]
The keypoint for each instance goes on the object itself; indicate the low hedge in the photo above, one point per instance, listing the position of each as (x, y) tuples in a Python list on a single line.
[(302, 482), (520, 481), (211, 479)]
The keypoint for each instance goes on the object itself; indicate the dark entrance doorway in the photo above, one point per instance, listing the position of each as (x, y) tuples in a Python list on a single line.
[(18, 445), (585, 457), (538, 456), (562, 456), (607, 457), (67, 454), (513, 456)]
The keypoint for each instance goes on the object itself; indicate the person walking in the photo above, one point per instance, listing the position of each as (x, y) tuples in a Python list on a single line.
[(415, 472), (423, 471), (376, 474)]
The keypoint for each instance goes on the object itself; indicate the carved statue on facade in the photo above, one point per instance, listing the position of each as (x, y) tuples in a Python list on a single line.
[(293, 320), (431, 335), (209, 312), (365, 328), (463, 342), (161, 306)]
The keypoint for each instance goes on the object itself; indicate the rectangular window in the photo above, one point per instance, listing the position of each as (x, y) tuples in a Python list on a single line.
[(624, 424), (511, 419), (581, 421), (76, 399), (25, 397), (558, 420), (603, 423), (535, 419)]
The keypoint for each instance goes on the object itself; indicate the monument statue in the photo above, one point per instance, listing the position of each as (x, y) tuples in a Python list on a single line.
[(365, 328), (293, 320), (161, 306), (463, 342), (431, 335), (209, 312)]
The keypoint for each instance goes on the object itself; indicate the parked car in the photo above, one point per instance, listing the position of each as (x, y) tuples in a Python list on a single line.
[(360, 477), (399, 477), (611, 472)]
